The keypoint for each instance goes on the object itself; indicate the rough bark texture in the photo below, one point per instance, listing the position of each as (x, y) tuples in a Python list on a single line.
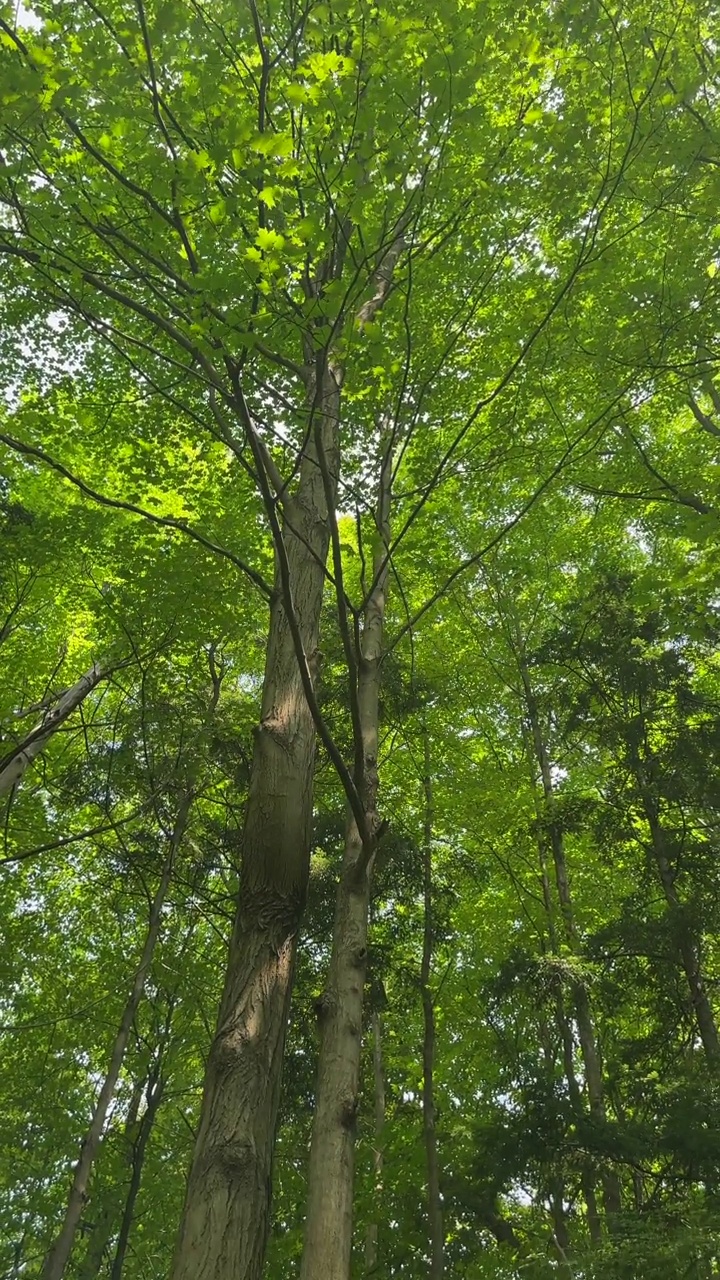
[(435, 1213), (59, 1253), (328, 1228), (14, 764), (225, 1222)]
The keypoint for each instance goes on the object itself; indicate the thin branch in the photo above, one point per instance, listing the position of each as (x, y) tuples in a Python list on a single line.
[(117, 504)]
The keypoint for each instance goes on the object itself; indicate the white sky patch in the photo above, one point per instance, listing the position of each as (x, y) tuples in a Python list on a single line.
[(25, 17)]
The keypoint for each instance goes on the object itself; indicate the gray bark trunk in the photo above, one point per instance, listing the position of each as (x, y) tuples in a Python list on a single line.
[(59, 1253), (225, 1222), (14, 764), (328, 1227)]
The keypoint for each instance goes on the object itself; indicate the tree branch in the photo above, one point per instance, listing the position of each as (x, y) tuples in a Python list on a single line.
[(167, 522)]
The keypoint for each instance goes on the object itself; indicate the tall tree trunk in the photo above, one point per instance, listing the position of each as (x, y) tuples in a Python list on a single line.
[(14, 764), (59, 1253), (153, 1098), (372, 1248), (102, 1229), (224, 1228), (328, 1228), (435, 1213), (587, 1177), (226, 1217), (687, 946), (583, 1013), (560, 1235)]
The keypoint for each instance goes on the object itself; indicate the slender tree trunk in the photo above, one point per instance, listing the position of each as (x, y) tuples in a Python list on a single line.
[(328, 1228), (103, 1229), (587, 1178), (583, 1013), (560, 1236), (372, 1253), (135, 1139), (59, 1253), (225, 1222), (435, 1213), (14, 764), (153, 1098), (687, 946)]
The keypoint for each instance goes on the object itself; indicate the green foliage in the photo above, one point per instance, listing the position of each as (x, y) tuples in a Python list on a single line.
[(196, 220)]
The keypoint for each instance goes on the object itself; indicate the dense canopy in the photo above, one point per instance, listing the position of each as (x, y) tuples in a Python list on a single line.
[(359, 623)]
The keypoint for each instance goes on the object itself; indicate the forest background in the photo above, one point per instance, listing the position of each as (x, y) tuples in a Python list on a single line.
[(360, 693)]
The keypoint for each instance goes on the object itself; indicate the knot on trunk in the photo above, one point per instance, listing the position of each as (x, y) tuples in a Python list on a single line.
[(348, 1112), (264, 910), (237, 1162), (272, 728), (323, 1006), (227, 1045), (358, 956)]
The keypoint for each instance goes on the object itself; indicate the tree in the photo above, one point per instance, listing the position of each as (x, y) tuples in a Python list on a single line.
[(240, 247)]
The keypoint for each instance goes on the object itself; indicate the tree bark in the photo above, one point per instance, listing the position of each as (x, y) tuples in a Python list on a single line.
[(328, 1227), (434, 1199), (224, 1228), (372, 1248), (59, 1253), (14, 764)]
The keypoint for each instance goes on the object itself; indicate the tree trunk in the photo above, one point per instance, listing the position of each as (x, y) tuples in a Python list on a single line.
[(14, 764), (689, 957), (328, 1227), (435, 1213), (587, 1177), (102, 1230), (59, 1253), (583, 1014), (560, 1235), (153, 1098), (372, 1253), (225, 1221)]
